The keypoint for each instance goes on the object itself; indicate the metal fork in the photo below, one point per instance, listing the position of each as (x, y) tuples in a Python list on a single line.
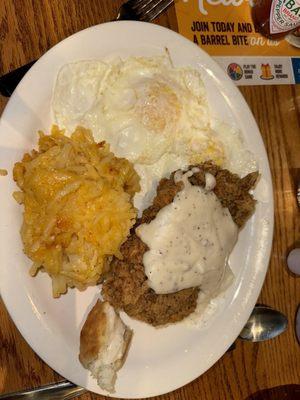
[(57, 391), (137, 10), (142, 10)]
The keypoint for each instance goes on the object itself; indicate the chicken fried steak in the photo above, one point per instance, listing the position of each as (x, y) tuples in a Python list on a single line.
[(126, 285)]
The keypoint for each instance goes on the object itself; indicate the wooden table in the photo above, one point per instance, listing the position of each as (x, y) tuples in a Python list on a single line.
[(27, 29)]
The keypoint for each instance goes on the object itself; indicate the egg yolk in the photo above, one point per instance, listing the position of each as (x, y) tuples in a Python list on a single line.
[(159, 109)]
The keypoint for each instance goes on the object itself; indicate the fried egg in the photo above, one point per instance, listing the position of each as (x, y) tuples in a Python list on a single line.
[(150, 112)]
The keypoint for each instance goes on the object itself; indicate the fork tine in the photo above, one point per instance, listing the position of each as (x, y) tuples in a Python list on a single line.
[(157, 8), (141, 5), (143, 10), (134, 3)]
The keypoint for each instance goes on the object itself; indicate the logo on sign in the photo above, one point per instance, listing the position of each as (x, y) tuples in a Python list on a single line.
[(235, 71), (285, 15)]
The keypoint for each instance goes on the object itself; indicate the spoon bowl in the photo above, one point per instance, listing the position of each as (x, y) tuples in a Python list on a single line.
[(263, 324)]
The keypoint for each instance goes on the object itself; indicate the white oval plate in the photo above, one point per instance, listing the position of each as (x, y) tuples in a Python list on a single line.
[(159, 360)]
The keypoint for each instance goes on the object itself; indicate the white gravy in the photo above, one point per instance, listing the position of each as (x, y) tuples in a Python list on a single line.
[(189, 240)]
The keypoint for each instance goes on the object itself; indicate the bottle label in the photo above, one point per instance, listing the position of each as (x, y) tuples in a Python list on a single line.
[(284, 16)]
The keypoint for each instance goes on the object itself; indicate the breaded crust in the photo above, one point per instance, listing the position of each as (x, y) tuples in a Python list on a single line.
[(126, 285), (93, 334)]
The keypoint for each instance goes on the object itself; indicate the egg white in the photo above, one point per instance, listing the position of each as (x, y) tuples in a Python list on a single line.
[(150, 112)]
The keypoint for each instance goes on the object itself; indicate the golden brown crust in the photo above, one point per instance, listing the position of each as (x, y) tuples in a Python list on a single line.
[(231, 190), (93, 334), (127, 342), (126, 286)]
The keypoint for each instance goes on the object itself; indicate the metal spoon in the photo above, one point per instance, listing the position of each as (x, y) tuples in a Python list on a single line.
[(263, 324)]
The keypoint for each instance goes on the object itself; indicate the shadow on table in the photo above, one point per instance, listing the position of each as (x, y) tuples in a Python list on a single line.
[(285, 392)]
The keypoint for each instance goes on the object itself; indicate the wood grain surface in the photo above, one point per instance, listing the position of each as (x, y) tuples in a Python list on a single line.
[(27, 29)]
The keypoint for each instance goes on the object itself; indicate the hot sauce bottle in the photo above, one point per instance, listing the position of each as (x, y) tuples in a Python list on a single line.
[(276, 18)]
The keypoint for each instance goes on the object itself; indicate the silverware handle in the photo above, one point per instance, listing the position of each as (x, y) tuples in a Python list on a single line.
[(10, 81), (57, 391)]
